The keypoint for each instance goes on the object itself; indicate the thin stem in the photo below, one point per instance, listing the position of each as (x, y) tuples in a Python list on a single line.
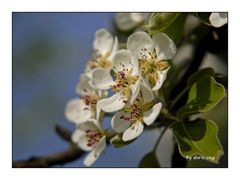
[(70, 154), (178, 97), (167, 115)]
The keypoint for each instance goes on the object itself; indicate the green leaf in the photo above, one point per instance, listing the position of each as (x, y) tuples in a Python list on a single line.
[(204, 94), (204, 17), (169, 23), (149, 161), (197, 75), (117, 141), (159, 21), (198, 140), (222, 80)]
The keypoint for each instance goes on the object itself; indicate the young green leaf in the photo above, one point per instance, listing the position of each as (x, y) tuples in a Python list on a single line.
[(197, 140), (169, 23), (117, 141), (197, 75), (159, 21), (149, 161), (204, 94)]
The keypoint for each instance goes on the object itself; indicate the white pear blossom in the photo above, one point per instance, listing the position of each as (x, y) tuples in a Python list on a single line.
[(104, 47), (126, 82), (129, 21), (218, 19), (131, 119), (77, 111), (89, 136), (82, 109), (152, 54)]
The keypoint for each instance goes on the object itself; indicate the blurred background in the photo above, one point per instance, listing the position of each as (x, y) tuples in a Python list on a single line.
[(50, 51)]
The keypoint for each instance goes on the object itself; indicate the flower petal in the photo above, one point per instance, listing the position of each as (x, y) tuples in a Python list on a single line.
[(89, 159), (125, 22), (84, 87), (95, 153), (134, 131), (111, 104), (103, 41), (89, 125), (218, 19), (114, 49), (147, 93), (162, 75), (77, 111), (123, 60), (100, 146), (102, 79), (139, 17), (150, 116), (79, 137), (119, 124), (165, 47), (135, 88), (138, 41)]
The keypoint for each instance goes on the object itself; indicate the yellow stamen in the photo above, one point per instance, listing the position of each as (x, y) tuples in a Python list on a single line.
[(100, 61), (150, 65)]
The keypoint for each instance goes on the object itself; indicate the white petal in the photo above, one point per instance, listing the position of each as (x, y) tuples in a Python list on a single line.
[(102, 94), (89, 159), (76, 135), (89, 125), (95, 153), (150, 116), (118, 123), (165, 47), (165, 149), (111, 104), (139, 17), (125, 22), (138, 41), (218, 19), (100, 146), (84, 87), (134, 131), (162, 75), (147, 93), (103, 41), (79, 137), (123, 60), (77, 111), (88, 72), (114, 49), (135, 88), (102, 79)]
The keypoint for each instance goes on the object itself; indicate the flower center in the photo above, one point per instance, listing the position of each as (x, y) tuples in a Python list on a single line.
[(90, 99), (123, 81), (135, 111), (93, 137), (100, 61), (149, 65)]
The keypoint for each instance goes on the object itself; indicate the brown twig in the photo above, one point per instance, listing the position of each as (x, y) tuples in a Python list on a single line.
[(64, 133), (59, 158)]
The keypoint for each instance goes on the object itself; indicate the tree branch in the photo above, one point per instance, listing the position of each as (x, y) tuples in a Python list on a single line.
[(59, 158)]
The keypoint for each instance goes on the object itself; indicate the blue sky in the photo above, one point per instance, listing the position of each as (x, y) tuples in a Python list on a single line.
[(49, 53)]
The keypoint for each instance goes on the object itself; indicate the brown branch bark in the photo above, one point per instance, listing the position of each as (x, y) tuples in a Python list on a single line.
[(59, 158)]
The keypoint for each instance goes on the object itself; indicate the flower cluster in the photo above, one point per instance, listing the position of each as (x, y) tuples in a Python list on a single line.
[(123, 81)]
